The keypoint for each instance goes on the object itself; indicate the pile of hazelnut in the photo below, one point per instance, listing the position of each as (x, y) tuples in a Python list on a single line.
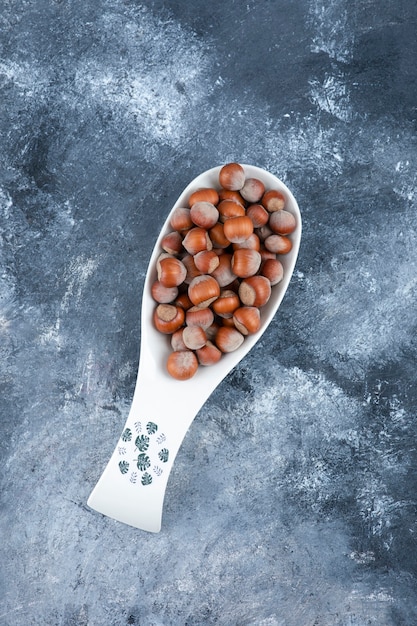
[(218, 265)]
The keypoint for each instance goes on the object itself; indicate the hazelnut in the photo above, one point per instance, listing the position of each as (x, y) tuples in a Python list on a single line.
[(224, 273), (247, 319), (177, 342), (273, 200), (238, 229), (228, 194), (206, 261), (251, 242), (226, 303), (228, 339), (272, 269), (196, 240), (203, 290), (194, 337), (232, 176), (245, 262), (168, 318), (182, 364), (205, 194), (282, 222), (211, 331), (208, 354), (278, 244), (191, 269), (204, 214), (229, 208), (181, 219), (263, 232), (195, 316), (162, 294), (218, 237), (183, 301), (266, 254), (258, 214), (253, 190), (171, 271), (172, 242), (228, 321), (255, 291)]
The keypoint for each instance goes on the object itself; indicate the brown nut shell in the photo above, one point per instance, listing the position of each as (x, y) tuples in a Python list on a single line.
[(228, 339), (227, 302), (181, 219), (168, 318), (273, 270), (183, 301), (273, 200), (196, 240), (224, 273), (266, 254), (232, 176), (171, 271), (182, 364), (280, 244), (217, 236), (196, 316), (208, 354), (191, 269), (238, 229), (253, 190), (203, 290), (172, 242), (229, 194), (206, 261), (247, 319), (205, 194), (194, 337), (252, 242), (258, 214), (177, 342), (245, 262), (162, 294), (204, 214), (255, 291), (263, 232), (282, 222), (229, 208)]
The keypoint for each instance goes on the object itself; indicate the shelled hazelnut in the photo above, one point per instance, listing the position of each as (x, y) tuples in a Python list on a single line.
[(217, 267)]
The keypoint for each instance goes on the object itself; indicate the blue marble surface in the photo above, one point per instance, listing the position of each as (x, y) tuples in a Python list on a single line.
[(292, 501)]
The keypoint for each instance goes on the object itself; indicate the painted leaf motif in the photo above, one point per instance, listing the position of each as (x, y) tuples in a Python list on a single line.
[(146, 479), (124, 467), (151, 427), (127, 434), (163, 455), (142, 442), (143, 462)]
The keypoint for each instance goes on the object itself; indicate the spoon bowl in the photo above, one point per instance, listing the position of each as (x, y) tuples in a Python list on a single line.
[(131, 488)]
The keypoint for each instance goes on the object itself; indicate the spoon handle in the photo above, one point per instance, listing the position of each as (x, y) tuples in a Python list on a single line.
[(132, 486)]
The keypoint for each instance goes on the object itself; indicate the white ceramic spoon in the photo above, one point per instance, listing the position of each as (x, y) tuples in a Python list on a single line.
[(132, 486)]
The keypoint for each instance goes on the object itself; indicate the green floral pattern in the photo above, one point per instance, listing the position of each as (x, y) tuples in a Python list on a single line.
[(142, 458)]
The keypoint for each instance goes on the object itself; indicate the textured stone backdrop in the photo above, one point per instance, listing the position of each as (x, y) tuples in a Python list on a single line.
[(292, 501)]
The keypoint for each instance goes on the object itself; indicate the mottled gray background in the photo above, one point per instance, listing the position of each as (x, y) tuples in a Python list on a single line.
[(293, 498)]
